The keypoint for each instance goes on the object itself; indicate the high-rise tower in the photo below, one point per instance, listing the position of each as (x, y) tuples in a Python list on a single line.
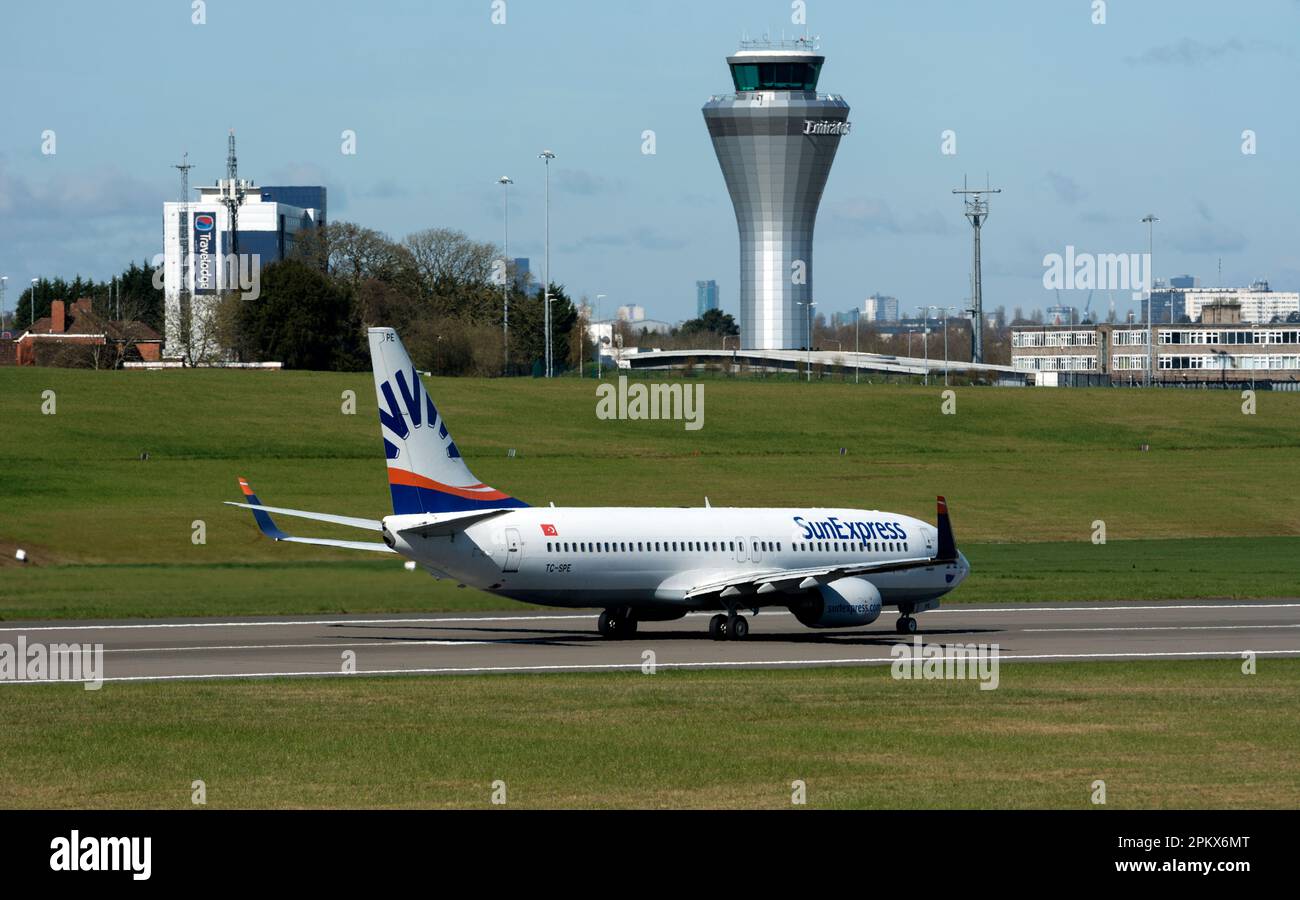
[(776, 138)]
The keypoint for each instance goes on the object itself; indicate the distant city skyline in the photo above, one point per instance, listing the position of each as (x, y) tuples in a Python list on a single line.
[(1086, 127)]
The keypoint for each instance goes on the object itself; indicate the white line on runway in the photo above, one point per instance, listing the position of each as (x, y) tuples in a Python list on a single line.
[(757, 663), (1155, 628), (342, 645), (468, 643), (958, 609), (273, 624)]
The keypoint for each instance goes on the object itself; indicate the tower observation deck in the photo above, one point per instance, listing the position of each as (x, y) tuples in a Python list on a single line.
[(775, 139)]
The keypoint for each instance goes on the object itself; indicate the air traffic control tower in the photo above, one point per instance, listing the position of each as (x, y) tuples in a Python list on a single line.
[(776, 138)]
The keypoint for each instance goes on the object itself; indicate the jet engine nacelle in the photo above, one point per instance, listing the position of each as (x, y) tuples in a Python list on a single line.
[(840, 604)]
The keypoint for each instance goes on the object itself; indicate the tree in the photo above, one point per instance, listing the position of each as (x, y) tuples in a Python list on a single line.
[(446, 263), (301, 319), (527, 329), (714, 321), (351, 253)]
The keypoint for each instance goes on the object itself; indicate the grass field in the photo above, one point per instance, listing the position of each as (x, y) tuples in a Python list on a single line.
[(1027, 472), (1160, 734), (1234, 568)]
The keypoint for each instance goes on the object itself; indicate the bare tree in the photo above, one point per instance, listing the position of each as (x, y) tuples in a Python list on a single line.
[(350, 252), (443, 256)]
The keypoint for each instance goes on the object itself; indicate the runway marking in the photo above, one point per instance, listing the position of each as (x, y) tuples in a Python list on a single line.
[(956, 608), (1210, 604), (1220, 654), (1154, 628), (340, 645), (265, 624)]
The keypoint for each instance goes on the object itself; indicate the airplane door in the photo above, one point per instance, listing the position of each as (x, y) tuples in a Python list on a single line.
[(514, 550), (929, 541), (755, 550), (741, 553)]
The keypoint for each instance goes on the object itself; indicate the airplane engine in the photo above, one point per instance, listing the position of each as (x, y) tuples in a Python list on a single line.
[(840, 604)]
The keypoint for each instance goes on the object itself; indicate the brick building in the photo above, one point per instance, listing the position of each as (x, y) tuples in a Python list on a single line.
[(76, 336)]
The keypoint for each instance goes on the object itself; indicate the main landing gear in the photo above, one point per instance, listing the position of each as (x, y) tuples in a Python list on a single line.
[(905, 625), (617, 624), (731, 627)]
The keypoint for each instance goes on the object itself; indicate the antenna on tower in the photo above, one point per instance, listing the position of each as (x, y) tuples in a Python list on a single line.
[(184, 166), (977, 210), (233, 191)]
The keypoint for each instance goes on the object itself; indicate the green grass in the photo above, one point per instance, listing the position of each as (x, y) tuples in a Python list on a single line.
[(110, 534), (1233, 568), (1160, 734)]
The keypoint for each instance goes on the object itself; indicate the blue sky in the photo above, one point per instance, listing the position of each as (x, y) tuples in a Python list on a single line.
[(1085, 128)]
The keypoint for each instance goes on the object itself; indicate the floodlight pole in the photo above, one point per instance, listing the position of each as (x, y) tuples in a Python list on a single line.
[(1151, 221), (977, 210)]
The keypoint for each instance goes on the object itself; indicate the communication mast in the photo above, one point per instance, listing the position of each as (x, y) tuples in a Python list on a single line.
[(184, 166), (977, 210), (232, 190)]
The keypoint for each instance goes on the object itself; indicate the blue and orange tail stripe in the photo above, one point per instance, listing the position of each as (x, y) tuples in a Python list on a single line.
[(263, 518), (413, 494)]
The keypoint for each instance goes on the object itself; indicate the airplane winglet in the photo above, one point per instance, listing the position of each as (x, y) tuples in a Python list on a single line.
[(263, 518), (947, 549)]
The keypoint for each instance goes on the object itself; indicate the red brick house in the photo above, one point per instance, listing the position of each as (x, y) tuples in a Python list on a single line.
[(77, 337)]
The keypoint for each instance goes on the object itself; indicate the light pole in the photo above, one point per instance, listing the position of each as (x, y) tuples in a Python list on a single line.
[(546, 329), (1151, 221), (925, 341), (857, 357), (505, 183), (4, 279), (808, 349), (945, 310), (547, 155), (598, 375), (32, 326)]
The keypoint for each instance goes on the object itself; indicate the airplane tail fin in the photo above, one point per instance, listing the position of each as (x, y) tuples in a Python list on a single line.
[(947, 549), (425, 471)]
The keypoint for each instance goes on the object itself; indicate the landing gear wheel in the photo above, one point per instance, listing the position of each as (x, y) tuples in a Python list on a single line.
[(607, 624), (905, 625), (718, 627), (738, 630), (615, 624)]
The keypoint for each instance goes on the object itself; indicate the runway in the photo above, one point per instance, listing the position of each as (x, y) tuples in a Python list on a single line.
[(548, 641)]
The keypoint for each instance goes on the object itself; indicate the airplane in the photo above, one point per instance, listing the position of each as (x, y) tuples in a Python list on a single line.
[(830, 567)]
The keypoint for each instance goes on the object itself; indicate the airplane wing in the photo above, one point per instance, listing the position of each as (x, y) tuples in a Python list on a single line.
[(772, 581), (262, 515)]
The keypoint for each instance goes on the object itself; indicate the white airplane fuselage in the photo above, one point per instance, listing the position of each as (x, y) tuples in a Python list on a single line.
[(608, 556)]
